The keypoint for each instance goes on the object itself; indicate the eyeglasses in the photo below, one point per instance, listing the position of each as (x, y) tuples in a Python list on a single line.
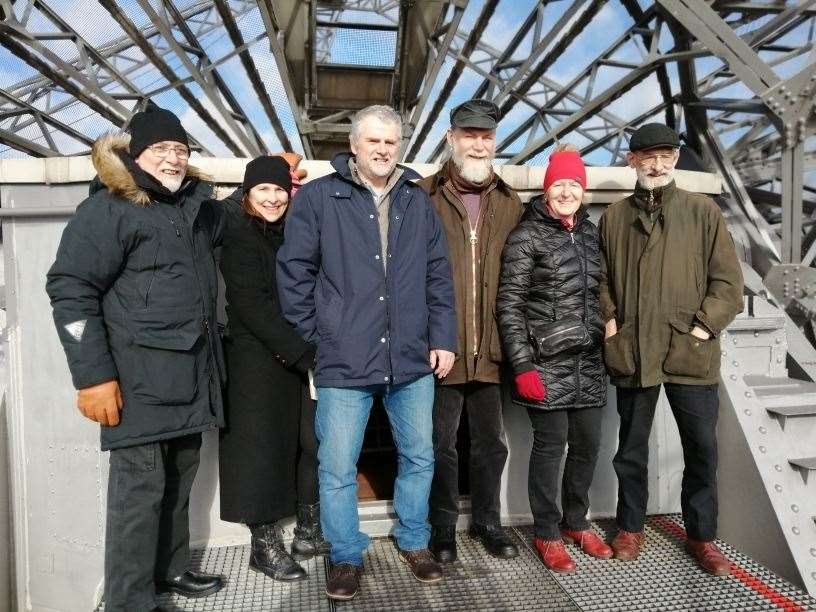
[(162, 150)]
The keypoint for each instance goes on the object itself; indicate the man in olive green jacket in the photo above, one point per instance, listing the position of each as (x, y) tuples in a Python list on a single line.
[(672, 283), (477, 210)]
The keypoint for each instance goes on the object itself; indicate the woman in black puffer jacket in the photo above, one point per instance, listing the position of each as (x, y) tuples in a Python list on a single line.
[(551, 328)]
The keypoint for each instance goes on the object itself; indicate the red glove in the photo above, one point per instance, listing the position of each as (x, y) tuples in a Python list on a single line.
[(530, 387)]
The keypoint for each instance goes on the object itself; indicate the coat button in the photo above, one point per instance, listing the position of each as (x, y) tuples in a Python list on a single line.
[(337, 193), (385, 379), (382, 340), (382, 299), (396, 218), (370, 216), (376, 257)]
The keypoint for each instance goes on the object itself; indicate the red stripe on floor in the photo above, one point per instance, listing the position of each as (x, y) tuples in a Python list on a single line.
[(748, 579)]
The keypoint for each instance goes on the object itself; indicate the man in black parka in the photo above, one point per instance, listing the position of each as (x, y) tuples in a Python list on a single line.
[(133, 290)]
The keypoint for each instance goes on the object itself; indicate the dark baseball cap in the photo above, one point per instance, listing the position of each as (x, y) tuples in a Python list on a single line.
[(482, 114), (652, 135)]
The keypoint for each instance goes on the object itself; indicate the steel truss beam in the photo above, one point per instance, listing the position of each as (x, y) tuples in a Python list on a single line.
[(99, 78)]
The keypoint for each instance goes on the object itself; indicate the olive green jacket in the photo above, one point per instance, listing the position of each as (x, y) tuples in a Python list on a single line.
[(663, 273)]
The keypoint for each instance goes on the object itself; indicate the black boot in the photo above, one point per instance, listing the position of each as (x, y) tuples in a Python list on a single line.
[(309, 540), (443, 544), (269, 555)]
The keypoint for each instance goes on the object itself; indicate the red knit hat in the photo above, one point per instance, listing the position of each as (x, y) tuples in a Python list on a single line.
[(565, 165)]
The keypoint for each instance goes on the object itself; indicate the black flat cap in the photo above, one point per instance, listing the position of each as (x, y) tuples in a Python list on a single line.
[(482, 114), (653, 135)]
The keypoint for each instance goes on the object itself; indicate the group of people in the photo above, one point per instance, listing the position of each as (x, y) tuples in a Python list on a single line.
[(373, 282)]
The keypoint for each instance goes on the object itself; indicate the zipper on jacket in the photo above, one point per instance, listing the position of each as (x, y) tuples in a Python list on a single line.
[(473, 241)]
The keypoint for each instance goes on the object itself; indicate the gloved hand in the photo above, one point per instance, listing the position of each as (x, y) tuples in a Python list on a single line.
[(101, 403), (530, 387), (293, 159)]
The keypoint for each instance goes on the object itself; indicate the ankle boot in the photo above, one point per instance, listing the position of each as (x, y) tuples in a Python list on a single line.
[(270, 557), (309, 540)]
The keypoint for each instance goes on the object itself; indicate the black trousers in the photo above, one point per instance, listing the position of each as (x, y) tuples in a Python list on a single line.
[(580, 430), (695, 409), (488, 452), (147, 537)]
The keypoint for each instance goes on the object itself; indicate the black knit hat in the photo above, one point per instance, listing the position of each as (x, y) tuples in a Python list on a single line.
[(152, 125), (653, 135), (267, 169)]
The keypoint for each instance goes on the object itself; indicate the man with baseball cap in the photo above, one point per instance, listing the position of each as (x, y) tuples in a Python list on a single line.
[(671, 284), (478, 210), (133, 290)]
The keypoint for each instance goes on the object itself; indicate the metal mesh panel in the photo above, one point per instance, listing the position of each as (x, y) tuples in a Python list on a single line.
[(357, 47)]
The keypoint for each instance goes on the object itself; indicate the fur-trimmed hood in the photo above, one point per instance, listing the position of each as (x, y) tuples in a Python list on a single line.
[(113, 173)]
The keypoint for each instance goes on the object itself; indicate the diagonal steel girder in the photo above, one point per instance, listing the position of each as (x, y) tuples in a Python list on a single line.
[(168, 73), (258, 87), (275, 35), (238, 126), (456, 71), (97, 78), (437, 52), (527, 73), (18, 108), (218, 85), (638, 73)]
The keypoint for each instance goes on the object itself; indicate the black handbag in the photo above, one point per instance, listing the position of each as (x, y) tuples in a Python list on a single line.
[(566, 335)]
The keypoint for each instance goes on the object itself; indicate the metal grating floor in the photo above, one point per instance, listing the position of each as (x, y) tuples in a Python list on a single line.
[(663, 578)]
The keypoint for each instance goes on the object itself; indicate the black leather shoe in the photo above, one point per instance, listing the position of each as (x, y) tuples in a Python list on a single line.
[(191, 584), (443, 544), (495, 541)]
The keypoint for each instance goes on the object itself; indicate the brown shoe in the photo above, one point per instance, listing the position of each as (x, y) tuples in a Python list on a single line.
[(344, 581), (709, 557), (627, 544), (422, 565)]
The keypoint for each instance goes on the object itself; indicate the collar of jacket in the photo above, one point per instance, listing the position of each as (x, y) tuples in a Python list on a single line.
[(341, 167), (660, 196), (442, 176), (118, 173), (537, 211)]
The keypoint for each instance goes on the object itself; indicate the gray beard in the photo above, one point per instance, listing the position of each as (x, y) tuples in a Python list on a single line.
[(651, 183), (473, 171), (172, 184)]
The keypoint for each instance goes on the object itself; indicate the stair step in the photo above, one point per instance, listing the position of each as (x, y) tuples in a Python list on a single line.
[(759, 381), (793, 411), (805, 465)]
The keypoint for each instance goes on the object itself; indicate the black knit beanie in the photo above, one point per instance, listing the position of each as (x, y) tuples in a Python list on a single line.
[(152, 125), (267, 169)]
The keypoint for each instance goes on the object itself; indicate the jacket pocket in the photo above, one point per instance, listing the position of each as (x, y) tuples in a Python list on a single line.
[(329, 316), (688, 356), (166, 362), (618, 352), (495, 348)]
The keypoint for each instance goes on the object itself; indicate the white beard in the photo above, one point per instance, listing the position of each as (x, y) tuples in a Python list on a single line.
[(653, 182), (473, 170), (172, 183)]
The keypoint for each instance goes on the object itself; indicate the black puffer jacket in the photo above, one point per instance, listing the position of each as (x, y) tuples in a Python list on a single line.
[(549, 273)]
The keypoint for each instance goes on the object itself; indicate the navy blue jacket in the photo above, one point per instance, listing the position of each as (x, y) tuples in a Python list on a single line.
[(369, 327)]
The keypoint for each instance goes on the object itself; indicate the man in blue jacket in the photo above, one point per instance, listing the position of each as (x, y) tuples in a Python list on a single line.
[(364, 274)]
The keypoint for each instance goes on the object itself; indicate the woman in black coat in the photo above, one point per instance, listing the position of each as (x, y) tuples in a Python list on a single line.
[(268, 450), (550, 323)]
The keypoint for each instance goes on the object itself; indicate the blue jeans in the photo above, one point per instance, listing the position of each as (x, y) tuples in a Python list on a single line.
[(342, 414)]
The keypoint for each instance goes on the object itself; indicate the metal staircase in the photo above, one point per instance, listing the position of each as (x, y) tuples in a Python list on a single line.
[(767, 438)]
